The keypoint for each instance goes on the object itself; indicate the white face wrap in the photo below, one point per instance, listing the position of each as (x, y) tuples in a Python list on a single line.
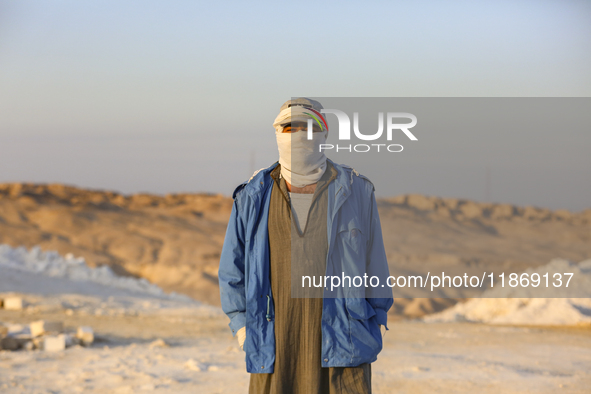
[(302, 162)]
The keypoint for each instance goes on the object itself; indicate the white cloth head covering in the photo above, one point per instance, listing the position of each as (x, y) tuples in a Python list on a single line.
[(302, 162), (301, 113)]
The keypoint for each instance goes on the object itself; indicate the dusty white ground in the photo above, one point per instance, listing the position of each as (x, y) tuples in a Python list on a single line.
[(520, 307), (201, 356)]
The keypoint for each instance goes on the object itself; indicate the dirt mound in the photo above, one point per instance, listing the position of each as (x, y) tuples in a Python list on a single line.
[(522, 309)]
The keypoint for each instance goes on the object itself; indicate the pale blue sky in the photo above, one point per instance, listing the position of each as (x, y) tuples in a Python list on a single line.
[(180, 96)]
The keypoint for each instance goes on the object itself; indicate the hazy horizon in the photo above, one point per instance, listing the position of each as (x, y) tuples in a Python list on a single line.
[(151, 96)]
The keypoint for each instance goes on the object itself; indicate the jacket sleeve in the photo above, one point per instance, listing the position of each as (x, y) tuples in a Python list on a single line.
[(231, 272), (377, 264)]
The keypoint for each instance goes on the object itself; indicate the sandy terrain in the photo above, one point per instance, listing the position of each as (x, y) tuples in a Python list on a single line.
[(202, 357), (148, 339), (199, 355)]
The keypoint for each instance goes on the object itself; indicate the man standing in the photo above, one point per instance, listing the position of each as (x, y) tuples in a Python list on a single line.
[(304, 216)]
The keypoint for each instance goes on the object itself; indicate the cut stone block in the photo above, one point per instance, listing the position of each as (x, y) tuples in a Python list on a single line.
[(41, 327), (13, 303), (3, 331), (85, 334), (9, 343), (54, 343)]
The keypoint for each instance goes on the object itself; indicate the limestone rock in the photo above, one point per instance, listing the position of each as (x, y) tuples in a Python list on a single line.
[(12, 303), (503, 211), (85, 335), (41, 327), (54, 343), (471, 210)]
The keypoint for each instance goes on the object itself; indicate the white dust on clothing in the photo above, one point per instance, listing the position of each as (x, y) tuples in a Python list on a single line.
[(515, 305)]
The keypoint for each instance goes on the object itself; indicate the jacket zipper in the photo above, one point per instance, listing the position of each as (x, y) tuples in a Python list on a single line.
[(268, 308)]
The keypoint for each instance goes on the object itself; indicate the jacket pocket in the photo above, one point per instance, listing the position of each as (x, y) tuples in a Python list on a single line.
[(350, 229), (365, 335)]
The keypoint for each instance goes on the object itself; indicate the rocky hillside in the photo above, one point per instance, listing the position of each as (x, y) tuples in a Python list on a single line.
[(175, 240)]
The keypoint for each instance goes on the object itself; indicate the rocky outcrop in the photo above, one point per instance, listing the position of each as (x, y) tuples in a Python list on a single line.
[(175, 240), (461, 209)]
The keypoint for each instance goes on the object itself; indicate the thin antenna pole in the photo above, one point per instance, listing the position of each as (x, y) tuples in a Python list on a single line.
[(487, 190)]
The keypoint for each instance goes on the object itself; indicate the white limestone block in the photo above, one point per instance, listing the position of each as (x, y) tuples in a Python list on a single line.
[(54, 343), (13, 303), (85, 334)]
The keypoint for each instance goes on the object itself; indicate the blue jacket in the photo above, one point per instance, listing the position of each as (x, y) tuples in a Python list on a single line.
[(350, 325)]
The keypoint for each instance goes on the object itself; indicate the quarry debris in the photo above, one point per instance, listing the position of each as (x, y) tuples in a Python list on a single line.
[(12, 303), (54, 343), (42, 335), (41, 327), (9, 343), (85, 335)]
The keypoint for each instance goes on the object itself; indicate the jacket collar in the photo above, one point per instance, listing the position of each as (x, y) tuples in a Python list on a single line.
[(262, 179)]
